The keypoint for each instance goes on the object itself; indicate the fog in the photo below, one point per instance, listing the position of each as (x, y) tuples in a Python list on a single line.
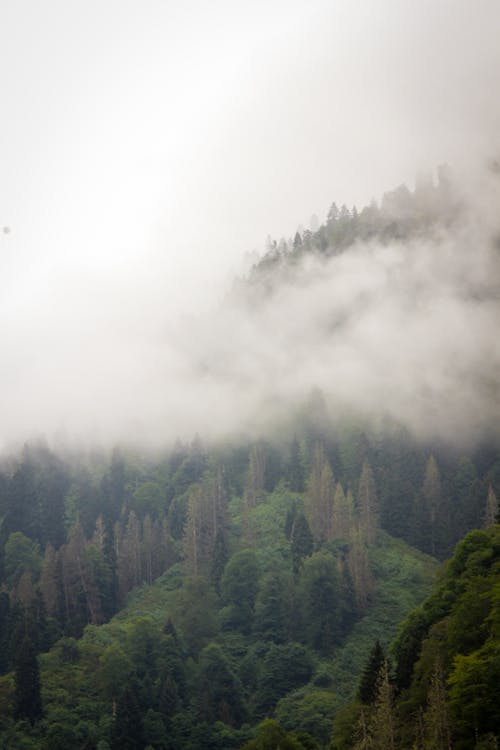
[(146, 148)]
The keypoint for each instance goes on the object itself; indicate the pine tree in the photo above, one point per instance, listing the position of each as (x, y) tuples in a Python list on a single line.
[(367, 503), (5, 655), (342, 513), (358, 565), (192, 541), (127, 732), (436, 721), (219, 559), (256, 475), (431, 491), (302, 542), (27, 698), (491, 512), (318, 500), (295, 470), (381, 726), (369, 683)]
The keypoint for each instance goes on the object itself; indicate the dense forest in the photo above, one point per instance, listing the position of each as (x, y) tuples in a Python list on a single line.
[(258, 592)]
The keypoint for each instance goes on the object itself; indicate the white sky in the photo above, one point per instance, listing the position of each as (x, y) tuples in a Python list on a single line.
[(146, 146)]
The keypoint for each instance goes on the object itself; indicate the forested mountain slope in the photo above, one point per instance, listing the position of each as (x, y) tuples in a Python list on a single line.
[(274, 579), (227, 593), (199, 658), (442, 689)]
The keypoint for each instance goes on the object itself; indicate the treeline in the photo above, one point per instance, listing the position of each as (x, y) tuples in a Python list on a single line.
[(401, 215), (80, 535), (266, 547)]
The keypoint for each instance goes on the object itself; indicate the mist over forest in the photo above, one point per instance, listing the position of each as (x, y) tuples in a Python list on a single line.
[(135, 182), (250, 375), (390, 310)]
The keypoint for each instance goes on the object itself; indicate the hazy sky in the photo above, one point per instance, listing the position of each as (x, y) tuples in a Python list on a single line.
[(146, 146)]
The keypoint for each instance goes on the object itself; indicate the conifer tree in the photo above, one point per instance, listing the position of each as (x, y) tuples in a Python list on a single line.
[(256, 475), (319, 497), (5, 656), (27, 698), (302, 542), (432, 498), (193, 531), (295, 470), (369, 683), (342, 513), (367, 503), (358, 565), (436, 721), (491, 512), (381, 728), (219, 559), (127, 733)]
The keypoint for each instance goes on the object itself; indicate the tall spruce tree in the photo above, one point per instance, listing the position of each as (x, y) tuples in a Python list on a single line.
[(368, 686), (367, 503), (27, 697)]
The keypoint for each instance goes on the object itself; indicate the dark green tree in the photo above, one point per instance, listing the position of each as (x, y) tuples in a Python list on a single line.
[(239, 586), (321, 602), (302, 542), (273, 607), (367, 691), (295, 468), (219, 559), (127, 733), (220, 693), (27, 698)]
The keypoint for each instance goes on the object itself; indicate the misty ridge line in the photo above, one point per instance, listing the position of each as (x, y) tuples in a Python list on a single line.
[(391, 313), (394, 318)]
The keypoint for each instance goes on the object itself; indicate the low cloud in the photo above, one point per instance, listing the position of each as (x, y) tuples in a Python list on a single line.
[(406, 329)]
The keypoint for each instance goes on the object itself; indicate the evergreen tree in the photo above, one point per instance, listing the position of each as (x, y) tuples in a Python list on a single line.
[(491, 511), (273, 607), (295, 468), (219, 559), (256, 474), (358, 565), (220, 693), (368, 686), (381, 727), (27, 698), (127, 733), (436, 721), (302, 542), (318, 500), (342, 513), (50, 581), (321, 604), (367, 503), (5, 656)]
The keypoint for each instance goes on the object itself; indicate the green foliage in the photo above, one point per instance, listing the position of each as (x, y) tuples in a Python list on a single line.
[(220, 693), (270, 736), (309, 711), (284, 668), (239, 586), (195, 613), (21, 554), (367, 691), (322, 603), (275, 629), (28, 703), (274, 606)]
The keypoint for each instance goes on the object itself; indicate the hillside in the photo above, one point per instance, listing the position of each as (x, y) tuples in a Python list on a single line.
[(198, 662), (228, 592), (444, 689)]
